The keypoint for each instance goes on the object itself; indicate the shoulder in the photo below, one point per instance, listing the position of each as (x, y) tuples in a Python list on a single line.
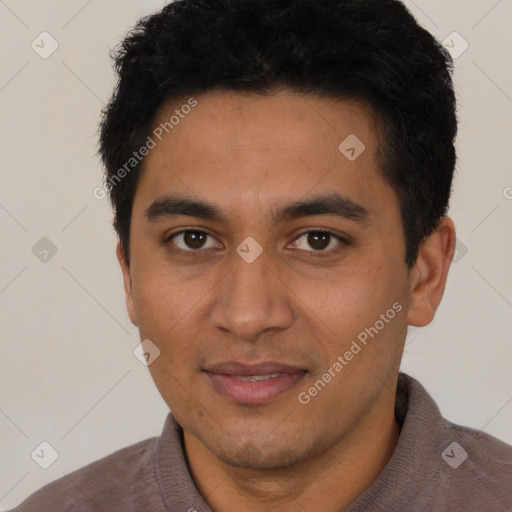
[(477, 469), (485, 454), (105, 484), (486, 448), (446, 466)]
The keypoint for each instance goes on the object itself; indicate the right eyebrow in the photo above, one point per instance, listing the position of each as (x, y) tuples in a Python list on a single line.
[(170, 206)]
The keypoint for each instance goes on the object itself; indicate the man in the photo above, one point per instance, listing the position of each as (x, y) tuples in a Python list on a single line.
[(280, 172)]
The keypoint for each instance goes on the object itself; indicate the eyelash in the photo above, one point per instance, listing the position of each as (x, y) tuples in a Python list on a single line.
[(193, 252)]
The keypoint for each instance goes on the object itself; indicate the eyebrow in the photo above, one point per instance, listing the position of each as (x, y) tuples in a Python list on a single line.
[(327, 204)]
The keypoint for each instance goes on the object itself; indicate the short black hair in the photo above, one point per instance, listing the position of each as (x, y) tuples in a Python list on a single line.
[(370, 50)]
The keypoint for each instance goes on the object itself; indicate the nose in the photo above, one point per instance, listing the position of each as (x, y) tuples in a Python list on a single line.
[(252, 301)]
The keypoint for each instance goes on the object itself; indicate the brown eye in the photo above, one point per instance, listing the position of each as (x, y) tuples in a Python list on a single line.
[(194, 239), (318, 241), (191, 240)]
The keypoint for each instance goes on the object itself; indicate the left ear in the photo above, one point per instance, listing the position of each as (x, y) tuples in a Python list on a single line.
[(429, 274)]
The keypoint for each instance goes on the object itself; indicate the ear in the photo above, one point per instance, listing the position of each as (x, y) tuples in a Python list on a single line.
[(429, 274), (127, 279)]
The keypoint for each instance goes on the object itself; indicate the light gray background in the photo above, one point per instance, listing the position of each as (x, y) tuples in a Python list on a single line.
[(68, 374)]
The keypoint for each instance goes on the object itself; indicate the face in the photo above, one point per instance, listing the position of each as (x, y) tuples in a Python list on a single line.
[(261, 256)]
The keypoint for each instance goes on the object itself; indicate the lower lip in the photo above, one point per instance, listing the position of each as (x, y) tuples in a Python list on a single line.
[(255, 392)]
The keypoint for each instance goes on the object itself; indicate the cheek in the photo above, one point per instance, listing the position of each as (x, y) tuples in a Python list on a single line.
[(158, 301), (173, 384), (346, 295), (156, 285), (340, 308), (169, 309)]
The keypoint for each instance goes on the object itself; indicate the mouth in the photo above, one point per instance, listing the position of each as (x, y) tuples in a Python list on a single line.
[(253, 384), (256, 378)]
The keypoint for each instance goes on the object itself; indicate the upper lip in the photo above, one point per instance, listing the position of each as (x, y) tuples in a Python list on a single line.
[(263, 368)]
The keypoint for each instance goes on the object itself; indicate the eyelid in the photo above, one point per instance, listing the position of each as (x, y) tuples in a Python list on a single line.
[(168, 238), (342, 240)]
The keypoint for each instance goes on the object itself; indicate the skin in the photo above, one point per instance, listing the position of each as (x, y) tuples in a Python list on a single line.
[(299, 302)]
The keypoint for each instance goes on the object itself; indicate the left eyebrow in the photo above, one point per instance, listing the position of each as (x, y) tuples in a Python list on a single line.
[(329, 204)]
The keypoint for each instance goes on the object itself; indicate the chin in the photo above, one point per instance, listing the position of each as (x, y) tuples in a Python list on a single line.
[(263, 452), (251, 456)]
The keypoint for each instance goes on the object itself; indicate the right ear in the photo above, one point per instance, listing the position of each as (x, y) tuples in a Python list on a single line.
[(127, 279)]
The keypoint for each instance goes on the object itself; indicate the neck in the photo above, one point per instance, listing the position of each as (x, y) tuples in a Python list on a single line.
[(350, 467)]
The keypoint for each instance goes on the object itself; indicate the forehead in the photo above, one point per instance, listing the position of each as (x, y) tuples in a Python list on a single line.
[(284, 118), (260, 150)]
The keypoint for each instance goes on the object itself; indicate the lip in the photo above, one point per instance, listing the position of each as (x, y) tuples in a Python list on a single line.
[(223, 378)]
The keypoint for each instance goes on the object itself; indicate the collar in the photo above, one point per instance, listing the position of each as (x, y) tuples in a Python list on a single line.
[(416, 458)]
